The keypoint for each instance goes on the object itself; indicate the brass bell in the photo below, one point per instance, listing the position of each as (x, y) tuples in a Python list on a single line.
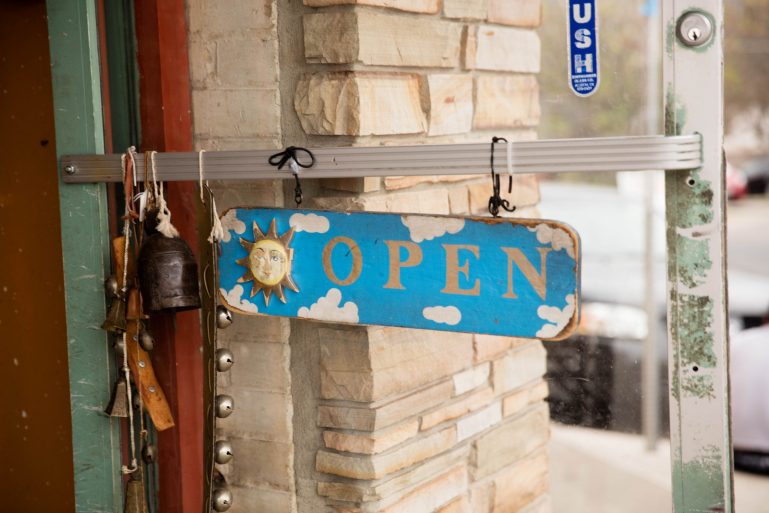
[(118, 402), (149, 453), (146, 340), (168, 274), (135, 496), (115, 321), (111, 287), (225, 405), (222, 452), (224, 360), (223, 317), (222, 499)]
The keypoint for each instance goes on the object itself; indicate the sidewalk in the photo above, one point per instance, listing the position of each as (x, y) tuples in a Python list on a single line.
[(594, 471)]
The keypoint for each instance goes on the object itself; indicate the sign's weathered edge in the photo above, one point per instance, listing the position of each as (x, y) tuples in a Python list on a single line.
[(565, 333)]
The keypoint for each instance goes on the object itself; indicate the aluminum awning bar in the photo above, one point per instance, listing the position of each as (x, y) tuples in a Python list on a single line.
[(614, 154)]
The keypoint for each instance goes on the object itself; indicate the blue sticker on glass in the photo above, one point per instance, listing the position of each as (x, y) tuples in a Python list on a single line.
[(583, 47)]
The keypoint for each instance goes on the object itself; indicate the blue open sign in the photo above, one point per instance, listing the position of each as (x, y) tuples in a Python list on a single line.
[(583, 47)]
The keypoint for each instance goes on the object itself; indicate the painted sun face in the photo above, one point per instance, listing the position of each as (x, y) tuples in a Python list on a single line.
[(268, 263)]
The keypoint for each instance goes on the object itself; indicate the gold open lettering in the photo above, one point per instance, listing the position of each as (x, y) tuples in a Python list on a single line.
[(453, 270), (357, 261), (396, 264), (538, 280)]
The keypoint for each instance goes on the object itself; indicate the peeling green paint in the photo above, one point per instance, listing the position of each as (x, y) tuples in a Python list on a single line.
[(704, 492), (695, 332), (693, 261), (675, 114), (699, 386), (670, 39)]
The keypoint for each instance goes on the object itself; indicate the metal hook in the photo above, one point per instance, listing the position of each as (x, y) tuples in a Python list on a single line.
[(290, 156), (496, 201)]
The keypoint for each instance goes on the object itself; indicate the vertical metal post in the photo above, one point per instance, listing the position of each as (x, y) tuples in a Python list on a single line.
[(697, 302), (85, 248), (650, 364)]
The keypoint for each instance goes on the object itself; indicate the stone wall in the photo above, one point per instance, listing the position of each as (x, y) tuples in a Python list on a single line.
[(371, 419)]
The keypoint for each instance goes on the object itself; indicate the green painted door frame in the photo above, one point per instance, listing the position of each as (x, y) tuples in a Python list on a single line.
[(74, 47)]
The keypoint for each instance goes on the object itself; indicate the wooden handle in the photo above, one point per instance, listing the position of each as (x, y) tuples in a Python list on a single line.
[(144, 376), (118, 252)]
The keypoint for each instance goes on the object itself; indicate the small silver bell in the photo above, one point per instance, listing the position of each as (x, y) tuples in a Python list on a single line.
[(111, 286), (222, 452), (223, 317), (119, 346), (224, 360), (146, 340), (224, 406), (222, 499), (149, 453)]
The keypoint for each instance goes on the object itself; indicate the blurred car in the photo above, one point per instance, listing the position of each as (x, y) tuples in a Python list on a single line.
[(736, 182), (757, 174)]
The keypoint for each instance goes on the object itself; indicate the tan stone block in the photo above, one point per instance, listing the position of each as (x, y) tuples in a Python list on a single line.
[(213, 19), (519, 343), (379, 465), (481, 496), (456, 409), (470, 47), (525, 192), (260, 463), (236, 112), (520, 13), (517, 402), (248, 499), (511, 441), (506, 102), (380, 39), (432, 495), (471, 378), (392, 488), (202, 62), (522, 484), (460, 505), (519, 368), (355, 103), (244, 61), (232, 194), (465, 9), (393, 361), (371, 443), (422, 6), (459, 201), (505, 49), (451, 104), (429, 201), (261, 366), (480, 421), (543, 504), (402, 182), (380, 415), (359, 185), (260, 415), (487, 347)]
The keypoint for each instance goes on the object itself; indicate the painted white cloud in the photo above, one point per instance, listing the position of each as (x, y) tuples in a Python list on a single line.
[(234, 298), (328, 309), (428, 228), (558, 238), (310, 223), (230, 221), (443, 314), (559, 317)]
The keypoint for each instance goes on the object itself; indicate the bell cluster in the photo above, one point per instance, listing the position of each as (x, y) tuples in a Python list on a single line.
[(223, 407)]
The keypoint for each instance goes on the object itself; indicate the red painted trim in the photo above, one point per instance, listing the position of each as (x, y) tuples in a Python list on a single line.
[(161, 31)]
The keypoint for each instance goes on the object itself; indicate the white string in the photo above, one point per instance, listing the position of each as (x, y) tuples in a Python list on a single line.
[(217, 230), (200, 176), (131, 152), (164, 215), (126, 370)]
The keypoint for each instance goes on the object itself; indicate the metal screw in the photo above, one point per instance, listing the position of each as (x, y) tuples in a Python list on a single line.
[(70, 169), (151, 389), (694, 28), (142, 364)]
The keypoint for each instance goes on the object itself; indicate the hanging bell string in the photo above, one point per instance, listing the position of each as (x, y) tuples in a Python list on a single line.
[(164, 215), (126, 370), (217, 230)]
